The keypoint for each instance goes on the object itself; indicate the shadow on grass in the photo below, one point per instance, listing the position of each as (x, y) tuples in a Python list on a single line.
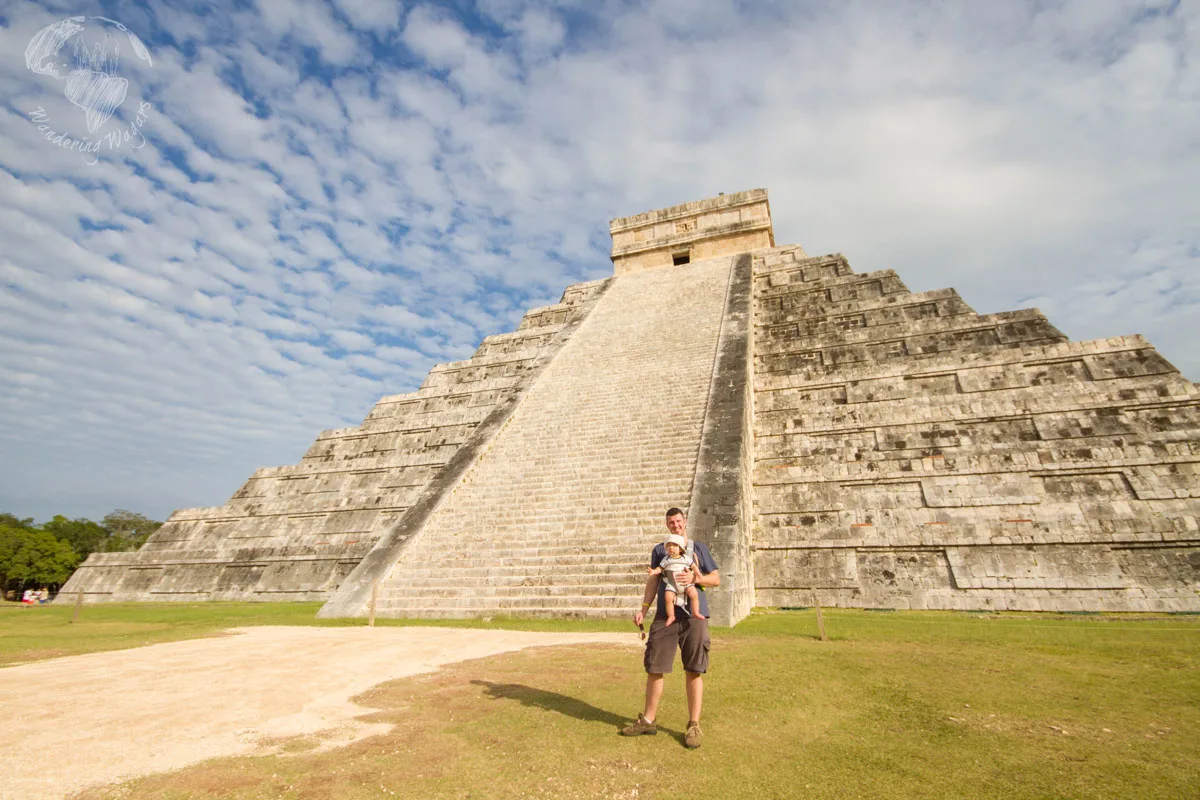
[(560, 703)]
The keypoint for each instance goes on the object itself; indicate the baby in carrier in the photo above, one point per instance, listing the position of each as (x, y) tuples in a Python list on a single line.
[(681, 555)]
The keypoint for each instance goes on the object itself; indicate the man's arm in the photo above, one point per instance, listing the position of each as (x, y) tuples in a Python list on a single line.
[(696, 575), (692, 577), (648, 597), (711, 579)]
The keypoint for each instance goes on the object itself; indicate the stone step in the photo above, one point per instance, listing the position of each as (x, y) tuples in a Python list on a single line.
[(878, 467), (837, 358), (627, 602), (581, 537), (872, 444), (584, 538), (505, 550), (625, 518), (1148, 395), (617, 572), (532, 612), (1005, 323), (997, 528), (625, 451), (500, 547), (647, 475), (917, 305), (396, 595), (513, 557), (1112, 356), (394, 464), (617, 514), (826, 286)]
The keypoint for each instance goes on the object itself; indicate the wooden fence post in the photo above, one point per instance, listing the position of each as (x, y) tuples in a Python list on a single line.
[(374, 597), (78, 603), (820, 619)]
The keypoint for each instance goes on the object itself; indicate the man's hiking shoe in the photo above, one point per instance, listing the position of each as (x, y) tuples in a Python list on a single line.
[(692, 738), (640, 728)]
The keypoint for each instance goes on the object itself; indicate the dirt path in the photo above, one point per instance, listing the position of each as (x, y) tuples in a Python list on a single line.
[(104, 717)]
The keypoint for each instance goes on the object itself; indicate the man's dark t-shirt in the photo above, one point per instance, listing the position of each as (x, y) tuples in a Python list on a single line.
[(707, 565)]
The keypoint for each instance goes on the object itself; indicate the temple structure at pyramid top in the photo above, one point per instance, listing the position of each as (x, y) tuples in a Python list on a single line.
[(704, 229), (835, 438)]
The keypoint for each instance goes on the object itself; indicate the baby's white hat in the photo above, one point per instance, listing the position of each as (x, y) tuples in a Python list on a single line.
[(675, 538)]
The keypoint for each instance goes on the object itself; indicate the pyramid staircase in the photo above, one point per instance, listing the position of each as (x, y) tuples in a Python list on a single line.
[(558, 516)]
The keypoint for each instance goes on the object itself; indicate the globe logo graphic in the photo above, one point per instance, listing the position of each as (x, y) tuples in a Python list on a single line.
[(85, 53)]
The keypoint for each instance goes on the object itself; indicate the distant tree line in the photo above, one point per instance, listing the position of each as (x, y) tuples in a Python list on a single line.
[(34, 555)]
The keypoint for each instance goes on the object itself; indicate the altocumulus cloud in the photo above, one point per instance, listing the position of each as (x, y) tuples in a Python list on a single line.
[(332, 197)]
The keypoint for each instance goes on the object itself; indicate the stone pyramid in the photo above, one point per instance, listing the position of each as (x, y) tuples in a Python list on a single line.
[(837, 439)]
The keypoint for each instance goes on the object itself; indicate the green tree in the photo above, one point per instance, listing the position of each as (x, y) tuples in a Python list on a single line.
[(127, 530), (12, 521), (11, 538), (34, 556), (84, 536), (47, 554)]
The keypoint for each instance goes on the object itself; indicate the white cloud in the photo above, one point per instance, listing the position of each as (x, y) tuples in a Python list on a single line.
[(442, 42), (541, 32), (376, 15), (311, 23)]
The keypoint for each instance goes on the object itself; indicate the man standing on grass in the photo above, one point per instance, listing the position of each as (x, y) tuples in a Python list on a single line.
[(689, 635)]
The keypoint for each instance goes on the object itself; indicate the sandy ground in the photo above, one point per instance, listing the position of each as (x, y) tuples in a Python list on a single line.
[(104, 717)]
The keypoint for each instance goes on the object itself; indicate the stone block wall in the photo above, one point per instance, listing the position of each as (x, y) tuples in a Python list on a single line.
[(911, 453), (701, 230), (722, 502)]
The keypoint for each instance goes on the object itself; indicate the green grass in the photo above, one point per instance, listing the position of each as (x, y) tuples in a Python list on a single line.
[(895, 705)]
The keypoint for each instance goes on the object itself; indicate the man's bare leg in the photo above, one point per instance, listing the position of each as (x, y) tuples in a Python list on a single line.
[(654, 690), (694, 685)]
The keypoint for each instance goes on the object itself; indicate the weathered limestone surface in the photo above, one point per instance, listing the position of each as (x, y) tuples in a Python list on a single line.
[(558, 516), (295, 532), (722, 504), (719, 226), (837, 438), (914, 454)]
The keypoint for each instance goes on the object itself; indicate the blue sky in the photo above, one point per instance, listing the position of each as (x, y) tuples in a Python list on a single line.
[(332, 197)]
